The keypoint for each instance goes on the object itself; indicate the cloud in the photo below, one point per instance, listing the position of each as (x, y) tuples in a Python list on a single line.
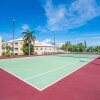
[(42, 29), (97, 37), (94, 43), (17, 34), (78, 13), (21, 29), (6, 35), (25, 27), (47, 41)]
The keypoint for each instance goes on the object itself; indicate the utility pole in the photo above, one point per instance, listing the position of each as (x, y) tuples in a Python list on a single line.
[(54, 41), (13, 30)]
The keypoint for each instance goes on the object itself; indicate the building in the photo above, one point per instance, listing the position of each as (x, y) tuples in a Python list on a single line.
[(40, 48), (0, 46), (18, 43), (43, 48), (61, 44)]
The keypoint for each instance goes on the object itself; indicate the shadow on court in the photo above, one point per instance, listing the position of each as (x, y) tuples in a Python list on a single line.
[(97, 64), (75, 57)]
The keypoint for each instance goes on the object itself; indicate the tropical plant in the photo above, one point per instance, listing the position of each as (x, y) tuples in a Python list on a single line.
[(81, 47), (29, 36), (29, 40), (67, 46), (90, 49), (97, 48), (7, 51), (25, 49), (74, 48), (3, 46)]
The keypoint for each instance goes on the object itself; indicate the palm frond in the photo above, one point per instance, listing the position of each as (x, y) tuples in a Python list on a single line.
[(28, 36)]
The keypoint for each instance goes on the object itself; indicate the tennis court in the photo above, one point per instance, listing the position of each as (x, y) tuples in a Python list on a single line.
[(44, 71)]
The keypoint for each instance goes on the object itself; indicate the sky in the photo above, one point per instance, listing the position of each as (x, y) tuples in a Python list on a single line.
[(70, 20)]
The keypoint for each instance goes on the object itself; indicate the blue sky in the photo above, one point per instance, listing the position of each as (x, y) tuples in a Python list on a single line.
[(72, 20)]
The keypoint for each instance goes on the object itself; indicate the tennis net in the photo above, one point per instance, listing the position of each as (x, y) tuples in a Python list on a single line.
[(79, 55)]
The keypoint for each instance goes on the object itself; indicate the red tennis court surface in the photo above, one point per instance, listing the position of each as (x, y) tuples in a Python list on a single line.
[(11, 88), (84, 84)]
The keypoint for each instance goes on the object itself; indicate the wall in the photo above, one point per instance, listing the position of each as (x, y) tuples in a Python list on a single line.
[(0, 46)]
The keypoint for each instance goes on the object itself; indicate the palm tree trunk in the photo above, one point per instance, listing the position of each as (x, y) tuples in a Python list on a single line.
[(29, 50)]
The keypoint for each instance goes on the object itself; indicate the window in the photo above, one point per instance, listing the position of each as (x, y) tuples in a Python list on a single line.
[(16, 53), (21, 42), (41, 48), (36, 48), (16, 43), (45, 48), (16, 48), (21, 53)]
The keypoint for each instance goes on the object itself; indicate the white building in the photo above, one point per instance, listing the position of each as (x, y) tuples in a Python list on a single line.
[(0, 46), (60, 44), (44, 48), (40, 48), (18, 43)]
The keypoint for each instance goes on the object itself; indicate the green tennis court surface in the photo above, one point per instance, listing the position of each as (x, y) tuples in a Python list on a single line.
[(43, 71)]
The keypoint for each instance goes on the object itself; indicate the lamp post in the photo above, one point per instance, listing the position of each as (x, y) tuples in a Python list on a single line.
[(54, 41), (13, 30)]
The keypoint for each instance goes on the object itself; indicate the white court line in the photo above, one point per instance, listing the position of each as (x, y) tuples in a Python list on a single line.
[(36, 75), (52, 82), (50, 71), (21, 79), (64, 76), (67, 74)]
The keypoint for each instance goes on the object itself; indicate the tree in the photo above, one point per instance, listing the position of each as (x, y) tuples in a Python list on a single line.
[(81, 47), (85, 44), (7, 51), (74, 48), (3, 46), (90, 49), (25, 49), (29, 38), (97, 49), (67, 46)]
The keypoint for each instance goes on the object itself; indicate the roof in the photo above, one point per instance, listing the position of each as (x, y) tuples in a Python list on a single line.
[(0, 38), (43, 44), (37, 43), (20, 39)]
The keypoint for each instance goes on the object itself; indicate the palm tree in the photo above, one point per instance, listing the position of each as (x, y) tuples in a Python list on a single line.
[(29, 37), (8, 49), (68, 45), (85, 45), (80, 47), (3, 46)]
